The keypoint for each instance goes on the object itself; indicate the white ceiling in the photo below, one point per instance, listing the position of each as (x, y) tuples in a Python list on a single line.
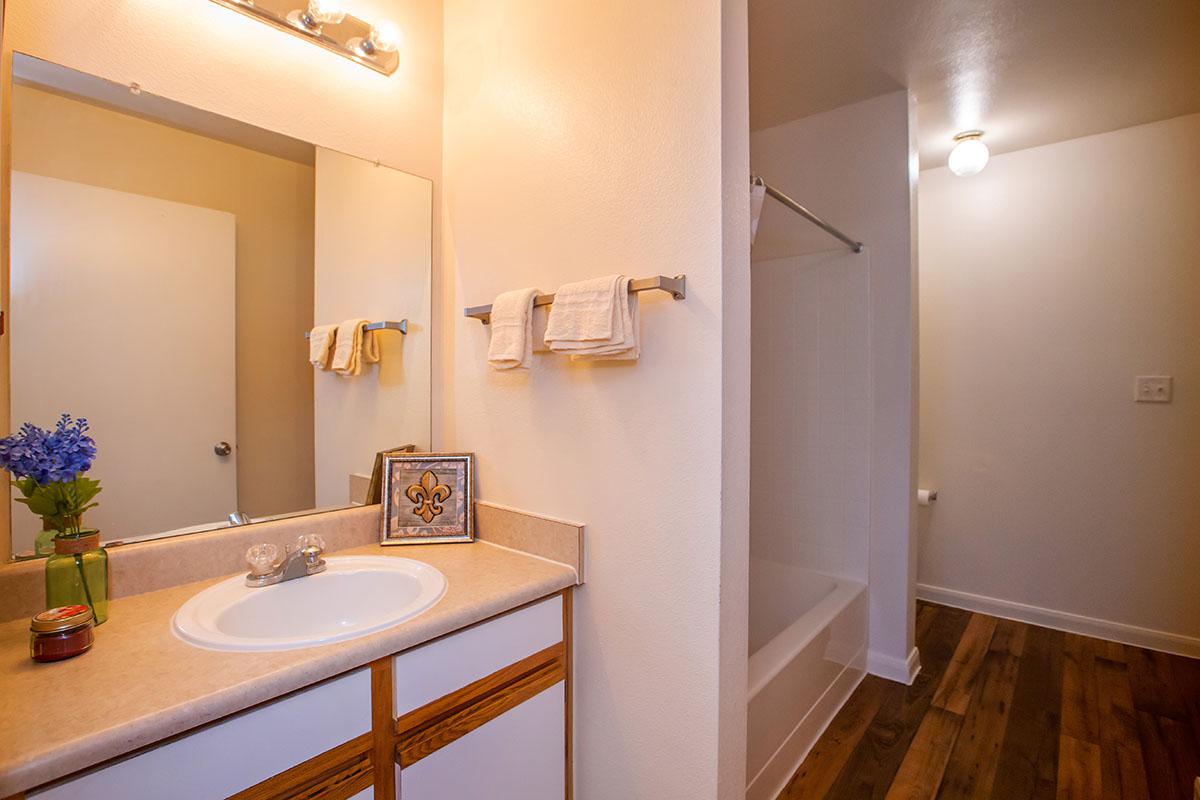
[(1028, 72)]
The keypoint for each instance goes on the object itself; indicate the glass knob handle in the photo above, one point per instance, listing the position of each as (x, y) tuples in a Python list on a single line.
[(222, 448), (262, 558)]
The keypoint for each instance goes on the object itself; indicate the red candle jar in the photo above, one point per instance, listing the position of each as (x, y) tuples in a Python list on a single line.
[(62, 632)]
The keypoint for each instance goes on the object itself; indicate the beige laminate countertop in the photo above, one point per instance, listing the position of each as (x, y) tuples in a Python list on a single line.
[(140, 683)]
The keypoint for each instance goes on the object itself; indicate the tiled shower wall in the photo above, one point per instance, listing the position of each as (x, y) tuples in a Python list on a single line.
[(810, 412)]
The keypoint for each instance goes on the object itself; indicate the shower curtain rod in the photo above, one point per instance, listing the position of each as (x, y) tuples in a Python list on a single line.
[(857, 247)]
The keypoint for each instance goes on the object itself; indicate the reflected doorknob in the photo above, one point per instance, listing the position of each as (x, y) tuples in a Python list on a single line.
[(222, 448)]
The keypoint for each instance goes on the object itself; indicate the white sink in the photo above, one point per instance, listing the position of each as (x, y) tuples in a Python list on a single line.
[(354, 596)]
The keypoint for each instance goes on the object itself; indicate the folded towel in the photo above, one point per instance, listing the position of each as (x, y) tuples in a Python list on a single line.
[(512, 330), (353, 348), (629, 347), (598, 320), (587, 311), (320, 344)]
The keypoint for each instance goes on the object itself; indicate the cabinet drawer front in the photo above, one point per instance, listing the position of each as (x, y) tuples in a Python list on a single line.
[(235, 753), (439, 668)]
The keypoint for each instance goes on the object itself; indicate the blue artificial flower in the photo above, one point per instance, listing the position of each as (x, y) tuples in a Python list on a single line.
[(49, 456)]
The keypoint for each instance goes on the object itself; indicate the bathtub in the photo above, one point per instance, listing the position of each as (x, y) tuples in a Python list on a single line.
[(808, 636)]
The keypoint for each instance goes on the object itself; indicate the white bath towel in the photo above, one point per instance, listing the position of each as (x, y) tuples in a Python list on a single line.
[(320, 345), (354, 347), (582, 334), (584, 312), (512, 330)]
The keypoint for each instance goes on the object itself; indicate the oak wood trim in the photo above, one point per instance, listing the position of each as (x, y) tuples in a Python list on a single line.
[(383, 729), (568, 686), (6, 58), (447, 719), (336, 774)]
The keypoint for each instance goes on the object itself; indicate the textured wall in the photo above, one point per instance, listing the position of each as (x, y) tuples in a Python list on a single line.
[(1048, 283), (584, 139)]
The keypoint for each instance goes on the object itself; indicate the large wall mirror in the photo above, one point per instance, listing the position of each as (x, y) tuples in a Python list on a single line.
[(166, 266)]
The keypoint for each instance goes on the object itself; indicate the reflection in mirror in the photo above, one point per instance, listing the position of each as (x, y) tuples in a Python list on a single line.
[(166, 265)]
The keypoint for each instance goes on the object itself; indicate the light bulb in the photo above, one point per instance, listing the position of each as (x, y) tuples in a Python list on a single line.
[(384, 38), (970, 154), (326, 12)]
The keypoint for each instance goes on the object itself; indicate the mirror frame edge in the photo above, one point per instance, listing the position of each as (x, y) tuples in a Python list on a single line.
[(6, 60)]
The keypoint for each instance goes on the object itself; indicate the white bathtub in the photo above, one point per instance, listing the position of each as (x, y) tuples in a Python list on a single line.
[(808, 636)]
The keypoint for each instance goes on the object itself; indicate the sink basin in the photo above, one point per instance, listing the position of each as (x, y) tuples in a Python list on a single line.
[(354, 596)]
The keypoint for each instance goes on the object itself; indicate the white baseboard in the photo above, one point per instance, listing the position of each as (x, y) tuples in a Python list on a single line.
[(895, 669), (1063, 621)]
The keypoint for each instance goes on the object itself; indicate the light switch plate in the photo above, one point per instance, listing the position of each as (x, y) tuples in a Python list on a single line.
[(1152, 389)]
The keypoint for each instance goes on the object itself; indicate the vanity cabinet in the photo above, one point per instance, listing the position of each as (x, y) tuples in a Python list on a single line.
[(481, 712)]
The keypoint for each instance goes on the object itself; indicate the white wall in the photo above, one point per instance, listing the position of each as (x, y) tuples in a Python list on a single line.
[(222, 61), (584, 139), (372, 261), (851, 166), (1048, 282)]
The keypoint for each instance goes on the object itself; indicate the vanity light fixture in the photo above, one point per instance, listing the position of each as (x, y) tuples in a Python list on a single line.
[(970, 155), (326, 22)]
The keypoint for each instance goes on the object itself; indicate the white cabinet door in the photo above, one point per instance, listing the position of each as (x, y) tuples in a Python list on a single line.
[(236, 752), (520, 754)]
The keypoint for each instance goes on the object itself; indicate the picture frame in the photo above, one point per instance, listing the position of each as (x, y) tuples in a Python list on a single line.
[(375, 486), (428, 498)]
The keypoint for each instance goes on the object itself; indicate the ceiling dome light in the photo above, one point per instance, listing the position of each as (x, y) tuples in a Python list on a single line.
[(970, 154)]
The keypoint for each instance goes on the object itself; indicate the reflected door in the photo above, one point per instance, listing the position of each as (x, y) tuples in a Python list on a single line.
[(123, 312)]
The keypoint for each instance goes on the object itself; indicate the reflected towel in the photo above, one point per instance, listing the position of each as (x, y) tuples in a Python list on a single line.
[(354, 347), (512, 330), (320, 345)]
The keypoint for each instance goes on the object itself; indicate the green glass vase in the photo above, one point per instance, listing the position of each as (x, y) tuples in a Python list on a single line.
[(77, 573)]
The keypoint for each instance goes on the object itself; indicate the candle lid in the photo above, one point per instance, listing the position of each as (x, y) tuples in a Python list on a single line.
[(63, 618)]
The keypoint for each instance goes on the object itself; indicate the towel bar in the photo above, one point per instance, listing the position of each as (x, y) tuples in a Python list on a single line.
[(677, 286), (401, 326)]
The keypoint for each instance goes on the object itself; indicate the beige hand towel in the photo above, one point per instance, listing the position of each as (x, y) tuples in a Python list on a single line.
[(579, 331), (512, 330), (320, 344), (353, 348), (629, 346), (584, 312)]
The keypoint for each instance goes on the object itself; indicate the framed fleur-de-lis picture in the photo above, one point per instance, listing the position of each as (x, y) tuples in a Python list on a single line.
[(428, 498)]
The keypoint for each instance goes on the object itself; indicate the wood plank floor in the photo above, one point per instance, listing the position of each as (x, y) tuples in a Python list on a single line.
[(1011, 711)]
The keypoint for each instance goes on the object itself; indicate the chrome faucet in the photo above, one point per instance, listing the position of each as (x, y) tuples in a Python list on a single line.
[(268, 568)]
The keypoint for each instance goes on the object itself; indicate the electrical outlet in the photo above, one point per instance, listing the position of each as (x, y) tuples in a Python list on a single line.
[(1152, 389)]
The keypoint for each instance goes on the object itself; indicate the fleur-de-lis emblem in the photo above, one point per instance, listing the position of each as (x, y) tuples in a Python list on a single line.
[(429, 496)]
